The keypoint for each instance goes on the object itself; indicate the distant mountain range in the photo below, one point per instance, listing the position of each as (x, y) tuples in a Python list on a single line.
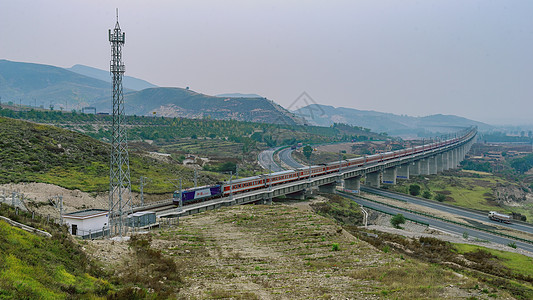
[(72, 90), (29, 83), (400, 125), (128, 82)]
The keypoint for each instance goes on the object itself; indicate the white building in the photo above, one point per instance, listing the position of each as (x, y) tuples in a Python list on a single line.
[(85, 222)]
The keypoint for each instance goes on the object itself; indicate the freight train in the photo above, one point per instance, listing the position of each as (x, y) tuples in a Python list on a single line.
[(248, 184)]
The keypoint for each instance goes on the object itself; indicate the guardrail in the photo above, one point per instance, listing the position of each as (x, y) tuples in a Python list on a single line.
[(443, 219)]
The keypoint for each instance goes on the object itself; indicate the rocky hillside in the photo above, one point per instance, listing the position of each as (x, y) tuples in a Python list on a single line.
[(177, 102)]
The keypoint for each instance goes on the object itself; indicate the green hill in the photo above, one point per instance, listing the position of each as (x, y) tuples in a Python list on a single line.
[(36, 267), (31, 152), (28, 82)]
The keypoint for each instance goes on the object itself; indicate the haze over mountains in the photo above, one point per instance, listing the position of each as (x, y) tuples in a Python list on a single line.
[(128, 82), (26, 82), (402, 125), (82, 86)]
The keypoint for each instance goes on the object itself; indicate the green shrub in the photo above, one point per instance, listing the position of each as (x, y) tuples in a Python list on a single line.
[(440, 197), (335, 247), (397, 220), (414, 189)]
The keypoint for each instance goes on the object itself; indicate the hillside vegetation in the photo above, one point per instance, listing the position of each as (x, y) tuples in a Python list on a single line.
[(39, 153), (166, 130), (36, 267)]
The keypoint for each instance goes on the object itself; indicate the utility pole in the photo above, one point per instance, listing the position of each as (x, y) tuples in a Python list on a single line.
[(58, 204), (120, 202), (270, 184), (230, 185), (142, 189), (195, 178), (180, 200)]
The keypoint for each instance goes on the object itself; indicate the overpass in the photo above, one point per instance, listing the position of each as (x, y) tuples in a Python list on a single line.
[(431, 158)]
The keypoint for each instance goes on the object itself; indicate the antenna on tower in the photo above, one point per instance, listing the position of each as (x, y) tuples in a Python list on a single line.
[(120, 200)]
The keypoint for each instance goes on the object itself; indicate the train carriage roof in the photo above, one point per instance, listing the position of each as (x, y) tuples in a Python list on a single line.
[(244, 179)]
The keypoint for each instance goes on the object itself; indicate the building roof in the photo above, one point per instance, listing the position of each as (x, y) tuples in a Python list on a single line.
[(141, 213), (88, 213)]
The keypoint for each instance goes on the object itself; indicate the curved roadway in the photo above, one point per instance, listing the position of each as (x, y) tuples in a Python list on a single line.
[(285, 156), (449, 227), (446, 208), (266, 160)]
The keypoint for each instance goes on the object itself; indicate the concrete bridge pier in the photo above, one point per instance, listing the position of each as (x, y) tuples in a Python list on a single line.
[(440, 162), (353, 183), (327, 188), (452, 158), (403, 171), (414, 169), (433, 165), (424, 166), (455, 157), (389, 176), (445, 160), (373, 179)]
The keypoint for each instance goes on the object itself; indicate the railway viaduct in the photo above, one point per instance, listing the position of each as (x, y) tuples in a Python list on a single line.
[(387, 171)]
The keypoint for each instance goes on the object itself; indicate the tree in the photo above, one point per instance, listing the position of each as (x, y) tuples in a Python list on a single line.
[(307, 150), (414, 189), (440, 197), (397, 220), (426, 194)]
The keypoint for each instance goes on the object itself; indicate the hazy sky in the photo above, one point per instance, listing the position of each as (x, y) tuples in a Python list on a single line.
[(464, 57)]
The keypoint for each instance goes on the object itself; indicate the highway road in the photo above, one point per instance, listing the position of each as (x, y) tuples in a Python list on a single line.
[(266, 160), (449, 209), (448, 227), (286, 156)]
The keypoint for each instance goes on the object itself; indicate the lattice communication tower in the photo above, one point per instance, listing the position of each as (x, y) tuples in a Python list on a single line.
[(120, 202)]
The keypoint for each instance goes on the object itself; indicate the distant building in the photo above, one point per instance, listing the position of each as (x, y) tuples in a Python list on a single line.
[(87, 222), (89, 109)]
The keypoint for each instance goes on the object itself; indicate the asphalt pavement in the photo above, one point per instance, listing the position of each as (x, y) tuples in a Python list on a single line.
[(449, 209), (266, 160), (448, 227), (286, 156)]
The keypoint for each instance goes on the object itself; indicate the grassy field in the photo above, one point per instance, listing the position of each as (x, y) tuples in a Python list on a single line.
[(478, 192), (516, 263), (288, 251)]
